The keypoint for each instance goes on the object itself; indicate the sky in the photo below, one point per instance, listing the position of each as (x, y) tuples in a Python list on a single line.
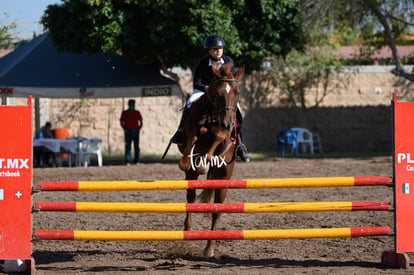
[(26, 12)]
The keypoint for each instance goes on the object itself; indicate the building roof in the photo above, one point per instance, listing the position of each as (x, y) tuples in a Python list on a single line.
[(351, 52), (4, 52)]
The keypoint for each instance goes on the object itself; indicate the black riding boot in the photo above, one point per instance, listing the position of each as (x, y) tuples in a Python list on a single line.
[(178, 136), (241, 149)]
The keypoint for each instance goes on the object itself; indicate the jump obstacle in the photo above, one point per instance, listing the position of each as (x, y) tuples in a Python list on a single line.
[(212, 208), (276, 207), (15, 196), (306, 233), (213, 184)]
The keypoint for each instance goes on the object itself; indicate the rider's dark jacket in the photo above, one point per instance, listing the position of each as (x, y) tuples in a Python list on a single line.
[(204, 74)]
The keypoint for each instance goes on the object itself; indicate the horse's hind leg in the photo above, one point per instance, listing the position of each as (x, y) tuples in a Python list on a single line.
[(191, 196), (219, 197)]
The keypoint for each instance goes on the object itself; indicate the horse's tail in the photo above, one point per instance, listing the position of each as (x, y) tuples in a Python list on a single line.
[(205, 196)]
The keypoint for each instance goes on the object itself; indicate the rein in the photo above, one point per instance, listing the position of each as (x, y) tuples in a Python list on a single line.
[(225, 108), (227, 80), (229, 144)]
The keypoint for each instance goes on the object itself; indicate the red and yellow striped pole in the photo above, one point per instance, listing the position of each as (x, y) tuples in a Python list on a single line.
[(211, 235), (273, 207), (213, 184)]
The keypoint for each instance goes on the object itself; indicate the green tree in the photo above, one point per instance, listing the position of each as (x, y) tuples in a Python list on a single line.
[(306, 78), (6, 41), (170, 33), (377, 23), (342, 23), (394, 17)]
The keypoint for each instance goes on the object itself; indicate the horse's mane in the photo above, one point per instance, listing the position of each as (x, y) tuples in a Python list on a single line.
[(226, 70)]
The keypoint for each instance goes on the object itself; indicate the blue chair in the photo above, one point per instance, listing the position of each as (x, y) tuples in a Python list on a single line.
[(287, 137)]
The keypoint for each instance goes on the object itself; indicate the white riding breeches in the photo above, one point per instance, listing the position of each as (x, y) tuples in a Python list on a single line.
[(196, 95)]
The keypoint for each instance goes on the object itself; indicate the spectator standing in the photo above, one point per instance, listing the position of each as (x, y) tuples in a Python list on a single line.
[(131, 122)]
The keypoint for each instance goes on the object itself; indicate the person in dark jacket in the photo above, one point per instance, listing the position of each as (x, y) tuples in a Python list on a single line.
[(203, 76)]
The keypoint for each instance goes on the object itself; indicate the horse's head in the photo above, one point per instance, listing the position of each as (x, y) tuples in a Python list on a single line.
[(224, 94)]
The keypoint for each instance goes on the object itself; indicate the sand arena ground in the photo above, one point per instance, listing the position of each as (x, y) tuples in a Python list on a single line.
[(311, 256)]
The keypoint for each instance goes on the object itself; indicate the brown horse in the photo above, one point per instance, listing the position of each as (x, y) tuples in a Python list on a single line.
[(209, 140)]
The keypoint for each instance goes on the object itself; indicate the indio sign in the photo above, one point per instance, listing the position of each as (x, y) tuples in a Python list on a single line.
[(157, 91)]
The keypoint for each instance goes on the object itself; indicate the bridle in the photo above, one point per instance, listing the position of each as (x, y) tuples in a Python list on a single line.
[(225, 108), (215, 112)]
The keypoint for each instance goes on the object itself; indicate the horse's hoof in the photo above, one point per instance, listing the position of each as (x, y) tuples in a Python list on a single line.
[(201, 170), (183, 165), (208, 253)]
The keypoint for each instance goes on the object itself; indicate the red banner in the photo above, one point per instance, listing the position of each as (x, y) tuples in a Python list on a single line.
[(404, 175), (15, 181)]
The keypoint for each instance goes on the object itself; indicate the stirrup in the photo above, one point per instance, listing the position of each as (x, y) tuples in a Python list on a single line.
[(241, 151), (177, 137)]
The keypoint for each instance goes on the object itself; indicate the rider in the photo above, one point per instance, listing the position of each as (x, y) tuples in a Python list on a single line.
[(203, 76)]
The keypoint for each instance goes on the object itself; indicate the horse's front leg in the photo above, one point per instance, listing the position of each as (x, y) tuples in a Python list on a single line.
[(184, 162), (191, 197), (219, 197), (219, 136)]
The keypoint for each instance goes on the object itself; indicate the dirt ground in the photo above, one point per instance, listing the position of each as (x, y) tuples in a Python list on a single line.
[(310, 256)]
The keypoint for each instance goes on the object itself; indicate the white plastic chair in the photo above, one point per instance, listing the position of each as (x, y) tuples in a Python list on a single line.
[(304, 137), (75, 153), (317, 144), (89, 147)]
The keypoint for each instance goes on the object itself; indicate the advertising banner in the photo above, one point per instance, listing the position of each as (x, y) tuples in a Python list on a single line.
[(404, 175), (15, 181)]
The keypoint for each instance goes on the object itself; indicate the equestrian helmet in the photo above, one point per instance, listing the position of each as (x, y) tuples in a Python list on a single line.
[(213, 42)]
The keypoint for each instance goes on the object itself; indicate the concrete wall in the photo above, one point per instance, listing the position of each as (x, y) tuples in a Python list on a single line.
[(357, 118), (100, 119), (341, 129)]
